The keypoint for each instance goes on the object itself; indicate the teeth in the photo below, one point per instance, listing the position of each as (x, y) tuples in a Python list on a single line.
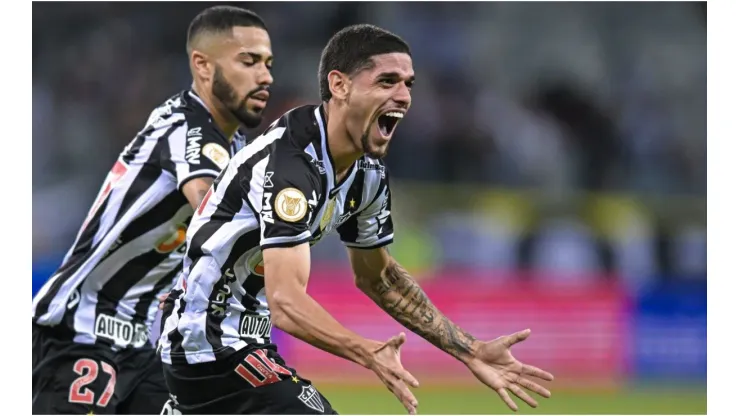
[(396, 114)]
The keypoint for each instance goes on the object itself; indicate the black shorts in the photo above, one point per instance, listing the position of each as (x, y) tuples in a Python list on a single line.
[(140, 388), (71, 378), (251, 381)]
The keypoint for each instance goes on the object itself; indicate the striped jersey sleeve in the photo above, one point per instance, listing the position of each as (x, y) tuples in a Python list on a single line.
[(372, 227), (195, 150), (290, 193)]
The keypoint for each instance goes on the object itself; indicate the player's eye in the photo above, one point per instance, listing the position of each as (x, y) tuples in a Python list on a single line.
[(387, 82), (409, 84), (247, 63)]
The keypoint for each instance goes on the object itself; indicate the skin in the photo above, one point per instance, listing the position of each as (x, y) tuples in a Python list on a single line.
[(357, 102), (231, 74)]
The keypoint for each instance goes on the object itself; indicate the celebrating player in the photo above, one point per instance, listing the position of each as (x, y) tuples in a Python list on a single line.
[(314, 170), (91, 320)]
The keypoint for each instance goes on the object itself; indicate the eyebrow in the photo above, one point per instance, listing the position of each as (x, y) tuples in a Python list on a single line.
[(255, 56), (394, 75)]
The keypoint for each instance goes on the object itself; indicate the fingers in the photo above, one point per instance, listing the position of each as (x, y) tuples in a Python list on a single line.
[(397, 340), (505, 397), (523, 395), (162, 298), (407, 378), (531, 385), (402, 392), (517, 337), (533, 371)]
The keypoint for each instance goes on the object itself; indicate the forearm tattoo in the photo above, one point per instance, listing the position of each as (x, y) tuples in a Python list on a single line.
[(402, 298)]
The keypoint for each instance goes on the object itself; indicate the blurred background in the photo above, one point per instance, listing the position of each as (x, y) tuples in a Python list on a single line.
[(550, 175)]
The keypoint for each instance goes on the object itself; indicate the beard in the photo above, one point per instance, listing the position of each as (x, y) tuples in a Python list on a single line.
[(222, 90), (367, 147)]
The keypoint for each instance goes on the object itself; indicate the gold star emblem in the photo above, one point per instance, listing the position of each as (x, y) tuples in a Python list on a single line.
[(295, 379), (352, 203)]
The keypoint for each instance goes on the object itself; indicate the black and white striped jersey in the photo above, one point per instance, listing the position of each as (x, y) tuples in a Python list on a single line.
[(131, 245), (279, 191)]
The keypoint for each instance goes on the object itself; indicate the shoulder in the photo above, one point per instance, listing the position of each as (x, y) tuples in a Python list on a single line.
[(291, 135), (186, 115), (301, 127)]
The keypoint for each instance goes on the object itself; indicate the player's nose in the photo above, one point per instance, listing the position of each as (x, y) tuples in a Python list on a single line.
[(402, 95), (265, 77)]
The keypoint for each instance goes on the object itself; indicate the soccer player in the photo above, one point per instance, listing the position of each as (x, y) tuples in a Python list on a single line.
[(91, 320), (314, 170)]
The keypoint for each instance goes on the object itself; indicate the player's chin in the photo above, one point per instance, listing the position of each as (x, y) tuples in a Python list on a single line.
[(250, 119), (379, 148)]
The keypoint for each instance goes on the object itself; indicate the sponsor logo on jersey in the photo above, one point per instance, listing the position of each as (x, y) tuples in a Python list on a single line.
[(192, 151), (319, 164), (219, 305), (365, 165), (172, 241), (268, 180), (255, 326), (121, 332), (157, 118), (291, 204), (255, 262), (267, 208)]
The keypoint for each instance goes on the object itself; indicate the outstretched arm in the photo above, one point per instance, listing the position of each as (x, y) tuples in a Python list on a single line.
[(379, 276), (297, 313), (392, 288)]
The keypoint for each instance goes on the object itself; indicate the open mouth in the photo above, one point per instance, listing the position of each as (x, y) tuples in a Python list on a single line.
[(387, 123)]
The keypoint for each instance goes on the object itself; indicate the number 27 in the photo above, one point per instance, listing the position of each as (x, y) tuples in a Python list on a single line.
[(89, 371)]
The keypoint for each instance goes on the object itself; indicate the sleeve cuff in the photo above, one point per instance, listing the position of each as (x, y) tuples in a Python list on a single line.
[(285, 244), (378, 244), (290, 241), (205, 173)]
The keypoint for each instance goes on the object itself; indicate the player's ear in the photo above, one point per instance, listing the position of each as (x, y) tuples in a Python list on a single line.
[(338, 85), (200, 64)]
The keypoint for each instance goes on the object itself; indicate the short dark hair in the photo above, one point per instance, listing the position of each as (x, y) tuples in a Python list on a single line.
[(221, 19), (351, 50)]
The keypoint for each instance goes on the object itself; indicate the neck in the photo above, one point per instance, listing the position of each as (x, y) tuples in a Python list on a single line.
[(341, 146), (223, 118)]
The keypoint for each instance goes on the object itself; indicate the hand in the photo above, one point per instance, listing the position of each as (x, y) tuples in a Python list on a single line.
[(162, 299), (494, 365), (387, 366)]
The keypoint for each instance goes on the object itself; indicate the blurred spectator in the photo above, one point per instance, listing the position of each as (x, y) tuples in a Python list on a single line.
[(547, 99)]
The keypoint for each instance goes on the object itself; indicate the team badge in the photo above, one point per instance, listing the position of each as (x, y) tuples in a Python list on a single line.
[(311, 398)]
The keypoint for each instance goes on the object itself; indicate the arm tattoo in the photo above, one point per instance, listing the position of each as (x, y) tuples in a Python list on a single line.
[(401, 297)]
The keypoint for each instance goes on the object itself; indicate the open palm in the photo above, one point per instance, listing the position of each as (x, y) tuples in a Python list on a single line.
[(496, 367), (387, 366)]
